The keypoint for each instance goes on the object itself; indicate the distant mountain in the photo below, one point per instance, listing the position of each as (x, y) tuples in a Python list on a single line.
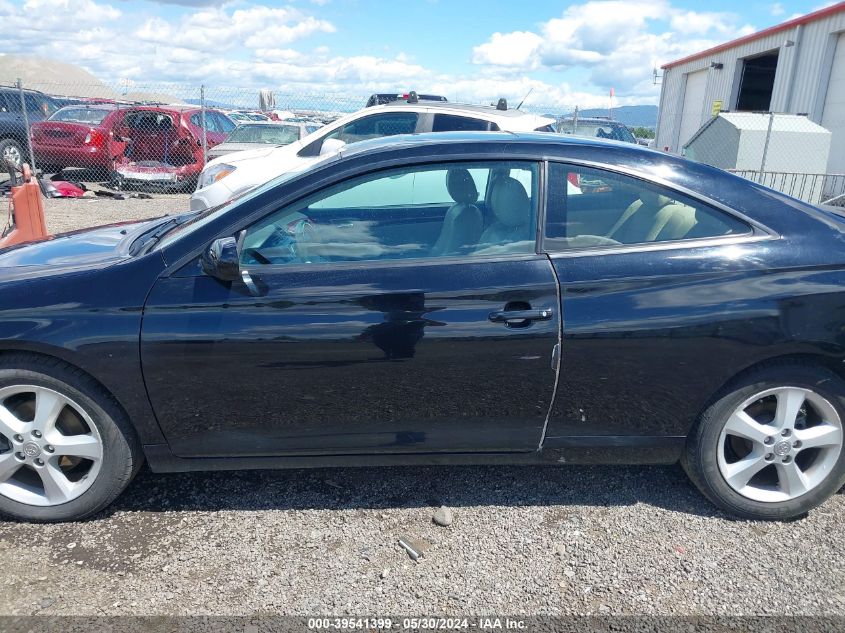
[(632, 116)]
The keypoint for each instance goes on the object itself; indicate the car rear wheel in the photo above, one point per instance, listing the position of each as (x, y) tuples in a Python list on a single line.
[(10, 150), (66, 450), (771, 447)]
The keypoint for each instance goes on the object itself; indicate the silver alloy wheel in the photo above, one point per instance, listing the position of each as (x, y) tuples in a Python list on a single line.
[(780, 444), (12, 153), (54, 450)]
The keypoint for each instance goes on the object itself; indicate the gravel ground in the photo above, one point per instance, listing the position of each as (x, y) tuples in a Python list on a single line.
[(524, 540), (68, 214)]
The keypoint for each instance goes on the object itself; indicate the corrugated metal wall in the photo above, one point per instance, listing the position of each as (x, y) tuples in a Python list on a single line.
[(800, 81)]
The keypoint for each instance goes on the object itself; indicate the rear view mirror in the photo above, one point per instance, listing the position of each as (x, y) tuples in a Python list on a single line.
[(221, 259), (331, 146)]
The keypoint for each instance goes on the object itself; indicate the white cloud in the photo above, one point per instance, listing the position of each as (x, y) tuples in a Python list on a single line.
[(508, 49), (777, 9), (250, 46), (618, 42), (218, 28)]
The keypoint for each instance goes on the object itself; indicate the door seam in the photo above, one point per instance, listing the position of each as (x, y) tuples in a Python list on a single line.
[(560, 353)]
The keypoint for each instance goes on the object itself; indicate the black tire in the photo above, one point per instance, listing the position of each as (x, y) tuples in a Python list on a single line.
[(700, 459), (10, 143), (122, 456)]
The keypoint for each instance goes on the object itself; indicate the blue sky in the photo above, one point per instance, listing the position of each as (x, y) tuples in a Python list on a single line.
[(474, 50)]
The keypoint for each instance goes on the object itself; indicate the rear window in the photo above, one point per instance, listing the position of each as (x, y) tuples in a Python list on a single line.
[(80, 115), (545, 128), (269, 134), (148, 121)]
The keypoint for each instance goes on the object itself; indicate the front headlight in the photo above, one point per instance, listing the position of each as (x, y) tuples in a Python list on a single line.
[(212, 174)]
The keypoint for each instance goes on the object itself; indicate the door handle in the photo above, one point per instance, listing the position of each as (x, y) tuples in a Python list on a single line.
[(509, 317)]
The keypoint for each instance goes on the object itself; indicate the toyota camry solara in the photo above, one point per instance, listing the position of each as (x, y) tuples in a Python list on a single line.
[(437, 299)]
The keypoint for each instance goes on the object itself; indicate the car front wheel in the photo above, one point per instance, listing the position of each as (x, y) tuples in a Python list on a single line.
[(771, 446), (66, 450)]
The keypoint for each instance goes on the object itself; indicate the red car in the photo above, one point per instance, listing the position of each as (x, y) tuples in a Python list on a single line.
[(131, 144), (78, 135), (164, 144)]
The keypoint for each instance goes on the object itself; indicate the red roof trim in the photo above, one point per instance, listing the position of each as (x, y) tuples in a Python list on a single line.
[(785, 26)]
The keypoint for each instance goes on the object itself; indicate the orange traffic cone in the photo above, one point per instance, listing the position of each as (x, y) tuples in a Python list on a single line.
[(26, 221)]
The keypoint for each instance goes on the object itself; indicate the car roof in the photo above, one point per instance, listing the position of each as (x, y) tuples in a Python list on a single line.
[(489, 139), (180, 108), (94, 105), (488, 110)]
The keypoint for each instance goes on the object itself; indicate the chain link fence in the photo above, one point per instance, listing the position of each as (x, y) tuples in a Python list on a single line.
[(157, 135)]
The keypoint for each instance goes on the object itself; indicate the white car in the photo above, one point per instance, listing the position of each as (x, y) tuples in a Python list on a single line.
[(231, 175)]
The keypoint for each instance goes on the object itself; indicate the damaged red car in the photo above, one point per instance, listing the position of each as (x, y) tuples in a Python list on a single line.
[(164, 144), (80, 135)]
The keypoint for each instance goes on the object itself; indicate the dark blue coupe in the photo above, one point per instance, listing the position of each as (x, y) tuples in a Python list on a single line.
[(446, 298)]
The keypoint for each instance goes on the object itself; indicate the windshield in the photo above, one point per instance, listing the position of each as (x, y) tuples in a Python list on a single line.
[(268, 134), (80, 115)]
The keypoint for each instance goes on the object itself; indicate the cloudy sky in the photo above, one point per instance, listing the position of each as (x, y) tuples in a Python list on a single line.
[(569, 53)]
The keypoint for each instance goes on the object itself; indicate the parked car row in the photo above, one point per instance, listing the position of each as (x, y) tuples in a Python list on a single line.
[(161, 145), (129, 143), (231, 175)]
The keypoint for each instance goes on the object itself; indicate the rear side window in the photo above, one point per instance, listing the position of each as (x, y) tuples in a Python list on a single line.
[(148, 121), (210, 121), (454, 123), (590, 208), (223, 122)]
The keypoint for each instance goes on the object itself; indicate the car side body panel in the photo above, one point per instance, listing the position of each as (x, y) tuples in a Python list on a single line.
[(650, 337)]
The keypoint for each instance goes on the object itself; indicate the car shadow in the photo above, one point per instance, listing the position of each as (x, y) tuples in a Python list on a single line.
[(664, 487)]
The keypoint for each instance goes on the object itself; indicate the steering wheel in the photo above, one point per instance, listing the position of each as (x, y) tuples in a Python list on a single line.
[(282, 245)]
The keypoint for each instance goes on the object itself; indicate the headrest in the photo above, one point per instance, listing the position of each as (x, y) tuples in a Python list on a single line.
[(654, 199), (510, 203), (461, 186)]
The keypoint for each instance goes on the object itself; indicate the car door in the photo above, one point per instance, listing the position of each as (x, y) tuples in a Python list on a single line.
[(655, 288), (349, 336)]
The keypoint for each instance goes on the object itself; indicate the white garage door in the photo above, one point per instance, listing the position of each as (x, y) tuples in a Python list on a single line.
[(693, 106), (834, 110)]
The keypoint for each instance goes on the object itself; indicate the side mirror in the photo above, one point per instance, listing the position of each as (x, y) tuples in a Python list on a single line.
[(221, 260), (331, 146)]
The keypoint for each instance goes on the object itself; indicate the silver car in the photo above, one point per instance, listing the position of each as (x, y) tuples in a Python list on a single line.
[(258, 134)]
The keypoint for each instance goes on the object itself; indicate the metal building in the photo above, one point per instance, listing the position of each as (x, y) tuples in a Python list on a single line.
[(797, 67)]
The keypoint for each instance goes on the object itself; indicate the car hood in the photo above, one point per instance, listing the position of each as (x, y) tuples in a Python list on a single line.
[(230, 148), (263, 153), (69, 252)]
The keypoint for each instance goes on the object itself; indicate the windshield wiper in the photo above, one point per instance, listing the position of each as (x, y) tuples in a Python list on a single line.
[(151, 237)]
